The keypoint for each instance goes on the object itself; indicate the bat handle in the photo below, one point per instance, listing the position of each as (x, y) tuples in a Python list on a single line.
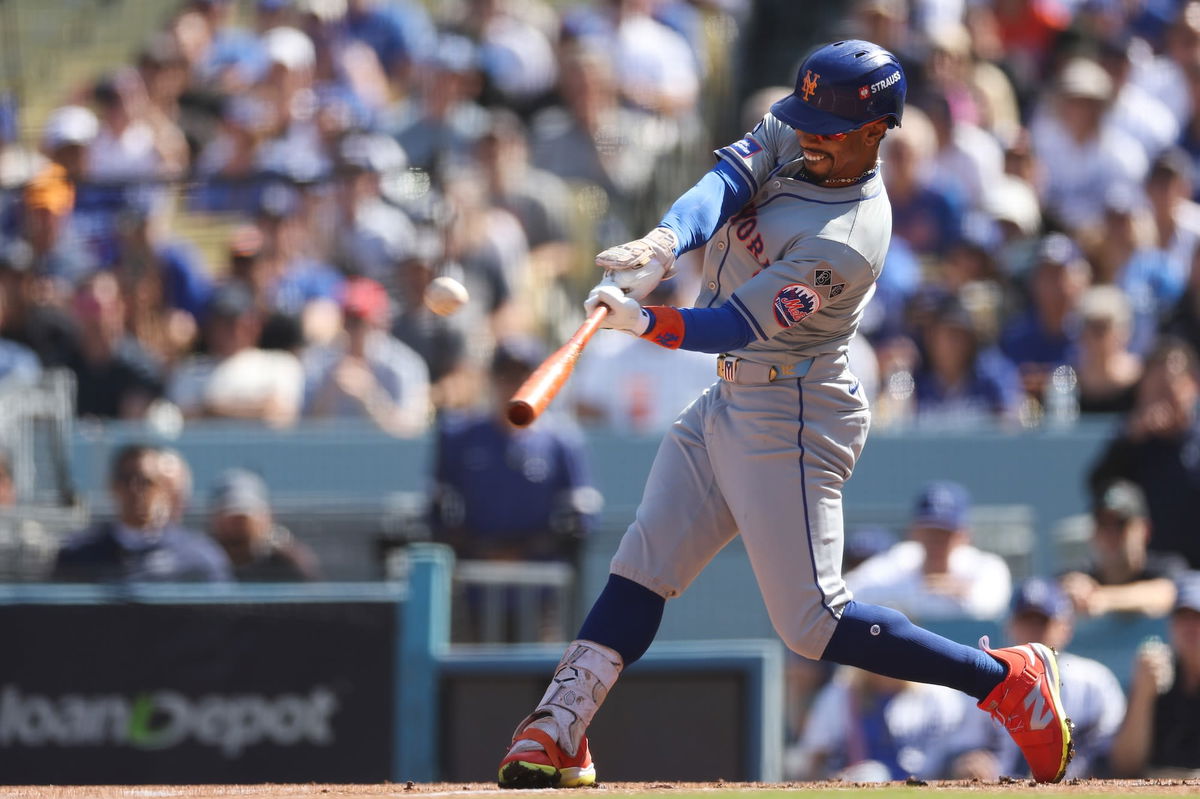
[(543, 385)]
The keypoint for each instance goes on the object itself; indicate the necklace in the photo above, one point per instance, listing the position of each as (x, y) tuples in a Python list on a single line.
[(845, 181)]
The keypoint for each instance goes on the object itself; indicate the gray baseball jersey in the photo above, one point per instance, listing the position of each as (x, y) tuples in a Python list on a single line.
[(768, 457)]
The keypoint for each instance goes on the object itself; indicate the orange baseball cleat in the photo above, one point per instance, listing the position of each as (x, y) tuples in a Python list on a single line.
[(536, 761), (1028, 704)]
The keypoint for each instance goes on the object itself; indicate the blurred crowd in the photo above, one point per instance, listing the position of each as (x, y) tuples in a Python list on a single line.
[(1043, 188)]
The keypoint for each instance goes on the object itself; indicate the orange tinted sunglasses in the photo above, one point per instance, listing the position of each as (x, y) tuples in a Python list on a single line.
[(842, 136)]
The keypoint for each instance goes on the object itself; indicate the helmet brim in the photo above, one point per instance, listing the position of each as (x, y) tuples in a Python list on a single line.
[(804, 117)]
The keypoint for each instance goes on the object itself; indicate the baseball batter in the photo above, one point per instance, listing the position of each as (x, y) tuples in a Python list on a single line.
[(795, 223)]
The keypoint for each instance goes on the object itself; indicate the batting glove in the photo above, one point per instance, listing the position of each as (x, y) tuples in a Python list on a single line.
[(638, 266), (624, 313)]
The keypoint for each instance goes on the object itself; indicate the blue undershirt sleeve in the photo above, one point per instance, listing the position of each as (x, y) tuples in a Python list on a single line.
[(701, 210), (714, 329)]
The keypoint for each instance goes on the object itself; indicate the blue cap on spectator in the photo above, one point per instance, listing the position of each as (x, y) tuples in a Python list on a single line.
[(1187, 591), (239, 491), (1057, 249), (942, 505), (1041, 595), (230, 301), (864, 542)]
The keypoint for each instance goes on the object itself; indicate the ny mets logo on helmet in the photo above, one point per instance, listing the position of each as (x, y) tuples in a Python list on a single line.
[(794, 303), (809, 85)]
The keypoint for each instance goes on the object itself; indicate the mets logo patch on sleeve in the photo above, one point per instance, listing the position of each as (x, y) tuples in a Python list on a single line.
[(794, 303), (746, 148)]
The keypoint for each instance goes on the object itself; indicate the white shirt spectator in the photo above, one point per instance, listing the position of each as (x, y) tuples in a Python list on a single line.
[(632, 385), (131, 154), (250, 378), (923, 723), (971, 163), (894, 578)]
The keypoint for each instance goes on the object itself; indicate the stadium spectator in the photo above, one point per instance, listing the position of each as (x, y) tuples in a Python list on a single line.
[(1123, 575), (234, 379), (1082, 152), (623, 383), (502, 493), (505, 493), (179, 481), (115, 377), (865, 727), (1046, 334), (134, 141), (19, 365), (1183, 321), (1091, 694), (1107, 371), (142, 543), (937, 573), (927, 216), (368, 373), (962, 382), (240, 519), (1155, 448), (1160, 734), (370, 232)]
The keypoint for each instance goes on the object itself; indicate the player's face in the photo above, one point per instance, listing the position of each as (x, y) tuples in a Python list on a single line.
[(841, 155)]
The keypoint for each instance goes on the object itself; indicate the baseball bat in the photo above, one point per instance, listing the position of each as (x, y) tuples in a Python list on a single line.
[(541, 387)]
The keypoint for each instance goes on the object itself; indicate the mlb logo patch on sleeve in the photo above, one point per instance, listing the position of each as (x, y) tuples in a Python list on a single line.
[(794, 303), (746, 147)]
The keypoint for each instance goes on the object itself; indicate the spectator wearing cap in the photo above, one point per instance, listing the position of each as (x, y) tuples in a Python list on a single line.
[(1168, 188), (1160, 735), (1107, 371), (505, 493), (1156, 445), (372, 233), (142, 544), (234, 379), (1123, 575), (1091, 694), (66, 136), (961, 380), (115, 376), (368, 373), (440, 123), (400, 32), (1046, 334), (937, 573), (291, 274), (241, 521), (1083, 153)]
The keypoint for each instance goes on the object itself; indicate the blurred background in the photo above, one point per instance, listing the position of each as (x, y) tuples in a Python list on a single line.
[(218, 219)]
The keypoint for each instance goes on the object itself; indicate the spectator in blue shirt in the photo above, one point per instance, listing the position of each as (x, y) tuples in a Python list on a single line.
[(503, 493), (141, 544), (961, 381), (1046, 335)]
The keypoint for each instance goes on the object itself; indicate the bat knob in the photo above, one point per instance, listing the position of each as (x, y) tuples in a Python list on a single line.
[(520, 413)]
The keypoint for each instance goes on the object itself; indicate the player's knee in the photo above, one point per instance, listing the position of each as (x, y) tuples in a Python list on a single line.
[(802, 643)]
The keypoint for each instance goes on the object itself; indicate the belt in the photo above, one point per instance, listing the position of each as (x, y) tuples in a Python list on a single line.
[(732, 369)]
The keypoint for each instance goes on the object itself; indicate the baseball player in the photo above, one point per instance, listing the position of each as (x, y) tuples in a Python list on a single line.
[(795, 223)]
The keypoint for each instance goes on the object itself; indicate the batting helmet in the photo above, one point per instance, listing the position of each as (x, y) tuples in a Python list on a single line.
[(842, 86)]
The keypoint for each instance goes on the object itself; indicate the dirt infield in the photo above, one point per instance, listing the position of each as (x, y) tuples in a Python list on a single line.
[(1111, 788)]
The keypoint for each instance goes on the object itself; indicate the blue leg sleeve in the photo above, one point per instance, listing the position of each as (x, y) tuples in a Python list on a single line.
[(884, 641), (702, 209), (624, 618)]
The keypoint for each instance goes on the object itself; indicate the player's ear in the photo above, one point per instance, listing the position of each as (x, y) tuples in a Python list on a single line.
[(874, 132)]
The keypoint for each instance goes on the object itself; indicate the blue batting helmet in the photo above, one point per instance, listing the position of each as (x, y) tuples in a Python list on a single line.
[(842, 86)]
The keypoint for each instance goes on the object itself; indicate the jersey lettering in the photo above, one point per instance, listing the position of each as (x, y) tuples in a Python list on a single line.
[(746, 230)]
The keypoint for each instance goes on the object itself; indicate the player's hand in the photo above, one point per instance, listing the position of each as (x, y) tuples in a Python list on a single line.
[(624, 313), (653, 254), (1081, 590), (1154, 666)]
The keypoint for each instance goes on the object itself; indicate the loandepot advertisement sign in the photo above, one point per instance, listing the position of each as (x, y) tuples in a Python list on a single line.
[(213, 692), (164, 719)]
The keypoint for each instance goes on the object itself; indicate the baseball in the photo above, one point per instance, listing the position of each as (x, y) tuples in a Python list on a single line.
[(445, 295)]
